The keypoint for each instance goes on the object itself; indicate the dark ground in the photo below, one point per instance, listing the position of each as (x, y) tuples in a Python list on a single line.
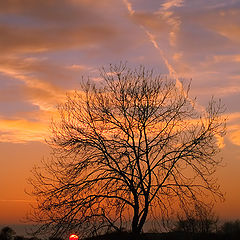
[(168, 236)]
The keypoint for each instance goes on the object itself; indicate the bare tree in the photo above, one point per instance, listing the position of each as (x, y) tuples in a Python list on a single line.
[(126, 149)]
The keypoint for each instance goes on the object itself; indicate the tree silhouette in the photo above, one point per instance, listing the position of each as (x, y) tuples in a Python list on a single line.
[(199, 219), (231, 229), (125, 150), (7, 233)]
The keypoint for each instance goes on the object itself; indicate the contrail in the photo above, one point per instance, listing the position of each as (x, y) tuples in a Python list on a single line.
[(151, 37), (171, 70), (174, 22), (129, 7)]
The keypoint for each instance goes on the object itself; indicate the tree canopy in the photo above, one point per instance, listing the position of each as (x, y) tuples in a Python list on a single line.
[(128, 149)]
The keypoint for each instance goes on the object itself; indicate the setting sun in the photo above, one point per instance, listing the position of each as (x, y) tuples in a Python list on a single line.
[(73, 237)]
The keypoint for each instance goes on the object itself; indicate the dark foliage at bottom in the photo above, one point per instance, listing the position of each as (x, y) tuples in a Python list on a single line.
[(167, 236)]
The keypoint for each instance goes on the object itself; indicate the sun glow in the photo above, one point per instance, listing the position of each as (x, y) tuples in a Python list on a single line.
[(73, 237)]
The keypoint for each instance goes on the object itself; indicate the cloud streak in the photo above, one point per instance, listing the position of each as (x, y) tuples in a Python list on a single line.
[(16, 201), (33, 40), (21, 130), (172, 3)]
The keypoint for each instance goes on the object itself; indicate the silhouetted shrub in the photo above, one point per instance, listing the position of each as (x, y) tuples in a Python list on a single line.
[(7, 233), (200, 219), (20, 238), (231, 230)]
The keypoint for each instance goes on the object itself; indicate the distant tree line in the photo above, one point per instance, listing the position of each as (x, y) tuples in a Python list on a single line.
[(185, 229), (7, 233)]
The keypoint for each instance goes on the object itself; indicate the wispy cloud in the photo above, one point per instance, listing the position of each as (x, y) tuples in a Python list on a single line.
[(172, 3), (234, 128), (39, 92), (172, 20), (33, 39), (16, 201), (129, 7), (21, 130), (234, 136)]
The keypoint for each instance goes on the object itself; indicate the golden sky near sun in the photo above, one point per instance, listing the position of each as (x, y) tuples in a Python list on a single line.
[(47, 46)]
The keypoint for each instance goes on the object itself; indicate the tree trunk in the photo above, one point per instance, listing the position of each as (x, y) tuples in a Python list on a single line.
[(135, 221), (136, 235), (143, 218)]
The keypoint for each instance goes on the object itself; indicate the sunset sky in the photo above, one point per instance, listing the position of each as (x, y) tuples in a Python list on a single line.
[(48, 45)]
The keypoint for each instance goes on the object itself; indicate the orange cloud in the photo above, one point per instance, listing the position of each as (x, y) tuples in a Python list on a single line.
[(226, 58), (20, 130), (55, 25), (234, 136), (52, 38), (153, 21), (172, 3), (223, 20), (32, 125), (220, 141), (41, 80), (227, 24), (56, 10), (233, 128), (129, 7), (78, 67), (16, 201)]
